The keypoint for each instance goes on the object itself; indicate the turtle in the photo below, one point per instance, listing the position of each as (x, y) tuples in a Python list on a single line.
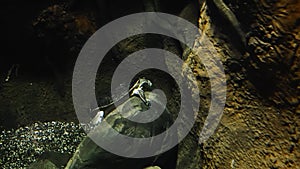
[(137, 89), (89, 155)]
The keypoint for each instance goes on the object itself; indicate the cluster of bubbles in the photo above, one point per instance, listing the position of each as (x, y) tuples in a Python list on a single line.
[(21, 147)]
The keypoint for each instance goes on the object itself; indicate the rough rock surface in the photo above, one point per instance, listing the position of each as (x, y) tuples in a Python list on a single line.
[(260, 124)]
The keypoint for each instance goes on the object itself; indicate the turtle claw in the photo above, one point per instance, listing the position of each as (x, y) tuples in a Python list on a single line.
[(139, 92)]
